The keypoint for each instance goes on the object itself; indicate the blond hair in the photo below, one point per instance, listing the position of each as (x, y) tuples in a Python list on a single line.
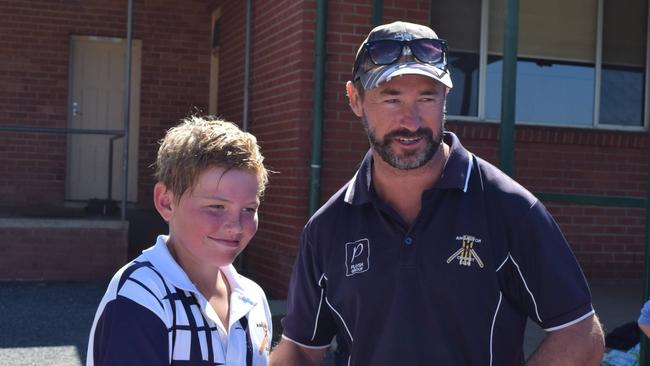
[(198, 143)]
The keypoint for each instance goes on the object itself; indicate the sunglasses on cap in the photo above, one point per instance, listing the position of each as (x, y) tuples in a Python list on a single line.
[(387, 51)]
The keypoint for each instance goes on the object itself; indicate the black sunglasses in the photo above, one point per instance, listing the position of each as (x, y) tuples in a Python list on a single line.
[(426, 50)]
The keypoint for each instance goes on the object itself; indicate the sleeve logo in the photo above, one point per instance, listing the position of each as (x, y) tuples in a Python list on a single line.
[(357, 257), (466, 254)]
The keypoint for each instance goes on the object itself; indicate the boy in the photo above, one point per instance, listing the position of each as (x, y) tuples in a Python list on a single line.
[(181, 301)]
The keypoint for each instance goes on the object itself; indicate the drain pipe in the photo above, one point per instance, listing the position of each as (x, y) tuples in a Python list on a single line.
[(377, 12), (247, 63), (127, 106), (509, 87), (317, 106)]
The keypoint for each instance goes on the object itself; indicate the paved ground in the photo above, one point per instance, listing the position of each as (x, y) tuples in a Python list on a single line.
[(48, 323)]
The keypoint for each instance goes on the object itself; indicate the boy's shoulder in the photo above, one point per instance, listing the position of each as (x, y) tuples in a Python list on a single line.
[(137, 279)]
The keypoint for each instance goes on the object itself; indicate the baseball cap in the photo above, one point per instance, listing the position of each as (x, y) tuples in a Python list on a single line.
[(371, 74)]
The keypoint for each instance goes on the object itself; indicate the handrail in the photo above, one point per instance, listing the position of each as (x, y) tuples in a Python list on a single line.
[(589, 199), (117, 134), (83, 131)]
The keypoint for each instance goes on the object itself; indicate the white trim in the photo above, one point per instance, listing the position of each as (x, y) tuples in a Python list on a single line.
[(304, 345), (502, 263), (320, 303), (340, 317), (494, 319), (551, 329), (604, 127), (483, 54), (350, 191), (527, 289), (469, 171), (598, 65), (646, 103)]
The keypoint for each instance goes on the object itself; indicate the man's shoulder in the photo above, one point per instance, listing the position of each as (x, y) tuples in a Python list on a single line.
[(498, 186), (334, 206)]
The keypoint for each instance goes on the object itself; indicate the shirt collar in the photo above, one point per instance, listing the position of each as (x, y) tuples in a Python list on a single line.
[(455, 174), (241, 294)]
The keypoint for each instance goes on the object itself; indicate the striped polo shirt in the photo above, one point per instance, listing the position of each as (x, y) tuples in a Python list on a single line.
[(152, 314)]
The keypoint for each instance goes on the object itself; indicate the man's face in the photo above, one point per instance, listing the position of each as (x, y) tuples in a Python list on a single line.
[(403, 118)]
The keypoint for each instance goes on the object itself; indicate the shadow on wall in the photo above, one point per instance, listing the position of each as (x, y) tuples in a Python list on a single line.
[(144, 226)]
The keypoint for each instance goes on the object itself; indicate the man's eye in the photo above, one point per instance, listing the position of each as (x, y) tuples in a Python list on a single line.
[(216, 207), (250, 209)]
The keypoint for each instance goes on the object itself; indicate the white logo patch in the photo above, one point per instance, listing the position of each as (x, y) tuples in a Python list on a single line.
[(357, 257), (466, 254)]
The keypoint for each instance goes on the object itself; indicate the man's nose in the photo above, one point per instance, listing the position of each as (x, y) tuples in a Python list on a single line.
[(410, 118)]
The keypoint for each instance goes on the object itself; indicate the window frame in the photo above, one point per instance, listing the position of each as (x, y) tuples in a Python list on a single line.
[(482, 79)]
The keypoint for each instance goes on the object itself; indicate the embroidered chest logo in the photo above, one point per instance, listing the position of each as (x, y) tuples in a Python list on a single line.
[(357, 257), (264, 346), (466, 254)]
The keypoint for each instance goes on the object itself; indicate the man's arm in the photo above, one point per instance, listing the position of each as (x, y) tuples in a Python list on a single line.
[(287, 353), (645, 328), (578, 344)]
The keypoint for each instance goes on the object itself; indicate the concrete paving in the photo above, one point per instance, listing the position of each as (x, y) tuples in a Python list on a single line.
[(48, 323)]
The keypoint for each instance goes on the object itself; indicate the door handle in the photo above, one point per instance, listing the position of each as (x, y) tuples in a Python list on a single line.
[(75, 109)]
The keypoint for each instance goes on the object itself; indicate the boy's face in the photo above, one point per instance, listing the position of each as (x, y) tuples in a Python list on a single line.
[(211, 224)]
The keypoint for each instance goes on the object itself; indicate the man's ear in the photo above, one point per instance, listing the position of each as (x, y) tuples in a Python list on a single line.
[(163, 199), (354, 99)]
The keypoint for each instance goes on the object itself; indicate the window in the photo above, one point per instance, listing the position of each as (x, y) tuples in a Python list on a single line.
[(580, 62)]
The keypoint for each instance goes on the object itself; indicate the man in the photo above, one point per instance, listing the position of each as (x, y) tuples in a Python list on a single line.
[(430, 255)]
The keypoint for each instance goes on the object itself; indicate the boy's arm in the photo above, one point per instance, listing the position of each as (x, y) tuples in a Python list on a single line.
[(128, 334), (578, 344), (288, 353)]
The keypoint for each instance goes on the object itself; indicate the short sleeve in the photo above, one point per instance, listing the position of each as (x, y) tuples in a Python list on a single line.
[(543, 278), (127, 333), (645, 314), (308, 321)]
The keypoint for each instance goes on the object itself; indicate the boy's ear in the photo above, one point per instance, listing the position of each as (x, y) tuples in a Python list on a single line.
[(354, 99), (163, 199)]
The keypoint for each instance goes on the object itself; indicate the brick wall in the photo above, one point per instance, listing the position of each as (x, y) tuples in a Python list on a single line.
[(65, 250), (279, 115), (34, 54)]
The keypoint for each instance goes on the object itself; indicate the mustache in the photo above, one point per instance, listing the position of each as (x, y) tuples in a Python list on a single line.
[(404, 133)]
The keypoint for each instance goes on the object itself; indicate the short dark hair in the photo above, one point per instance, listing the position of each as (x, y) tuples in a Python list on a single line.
[(359, 87)]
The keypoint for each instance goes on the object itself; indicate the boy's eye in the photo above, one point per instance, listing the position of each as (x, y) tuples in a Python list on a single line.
[(250, 209), (216, 207)]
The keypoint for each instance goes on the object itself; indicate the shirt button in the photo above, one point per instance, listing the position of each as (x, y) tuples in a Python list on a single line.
[(408, 240)]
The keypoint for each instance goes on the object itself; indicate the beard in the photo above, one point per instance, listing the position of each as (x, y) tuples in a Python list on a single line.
[(409, 160)]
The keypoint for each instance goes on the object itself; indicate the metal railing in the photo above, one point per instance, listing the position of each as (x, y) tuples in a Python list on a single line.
[(116, 134)]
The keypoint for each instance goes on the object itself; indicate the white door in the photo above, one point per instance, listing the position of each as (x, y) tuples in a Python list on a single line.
[(97, 84)]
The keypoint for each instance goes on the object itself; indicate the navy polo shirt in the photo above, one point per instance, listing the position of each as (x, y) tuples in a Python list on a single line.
[(454, 288)]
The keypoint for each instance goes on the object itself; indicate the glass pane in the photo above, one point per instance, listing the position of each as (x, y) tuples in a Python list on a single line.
[(623, 71), (464, 41), (547, 91), (463, 98), (555, 66), (621, 96)]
